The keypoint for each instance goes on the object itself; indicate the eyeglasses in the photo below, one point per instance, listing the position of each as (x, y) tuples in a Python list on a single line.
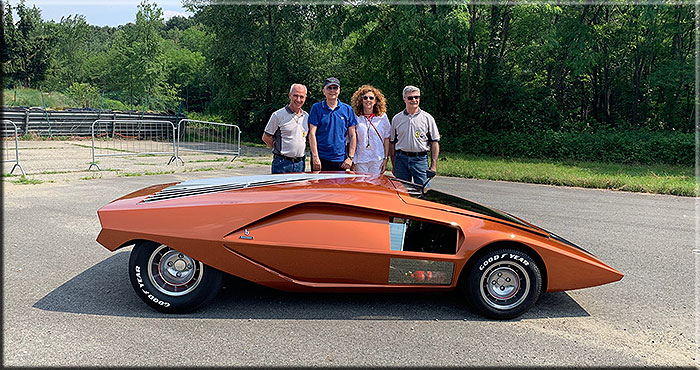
[(332, 87), (413, 97), (368, 97)]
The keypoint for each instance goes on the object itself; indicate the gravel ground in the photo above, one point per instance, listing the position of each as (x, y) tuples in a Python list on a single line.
[(66, 161), (68, 301)]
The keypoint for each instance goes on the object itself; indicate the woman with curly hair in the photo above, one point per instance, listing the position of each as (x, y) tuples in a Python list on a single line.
[(372, 129)]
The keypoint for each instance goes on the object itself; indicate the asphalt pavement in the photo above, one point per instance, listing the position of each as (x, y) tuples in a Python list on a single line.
[(68, 301)]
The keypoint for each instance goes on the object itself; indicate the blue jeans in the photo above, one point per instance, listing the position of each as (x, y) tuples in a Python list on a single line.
[(327, 165), (282, 165), (411, 168)]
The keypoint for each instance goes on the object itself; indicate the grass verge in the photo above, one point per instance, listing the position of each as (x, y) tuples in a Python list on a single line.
[(150, 173), (146, 173), (92, 177), (32, 98), (257, 161), (255, 145), (217, 159), (200, 169), (23, 180), (659, 179)]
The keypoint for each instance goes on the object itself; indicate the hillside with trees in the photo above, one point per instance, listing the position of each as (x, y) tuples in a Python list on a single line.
[(539, 81)]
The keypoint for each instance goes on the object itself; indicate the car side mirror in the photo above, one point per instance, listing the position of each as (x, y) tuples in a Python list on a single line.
[(430, 174)]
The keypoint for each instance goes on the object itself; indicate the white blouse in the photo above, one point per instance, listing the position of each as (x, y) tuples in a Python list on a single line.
[(370, 147)]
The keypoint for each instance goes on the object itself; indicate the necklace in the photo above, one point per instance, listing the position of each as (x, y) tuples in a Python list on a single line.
[(368, 117)]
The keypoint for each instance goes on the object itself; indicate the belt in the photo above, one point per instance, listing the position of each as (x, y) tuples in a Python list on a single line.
[(412, 154), (291, 159)]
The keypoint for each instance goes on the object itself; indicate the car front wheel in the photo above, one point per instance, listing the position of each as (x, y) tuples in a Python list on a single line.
[(503, 284), (171, 281)]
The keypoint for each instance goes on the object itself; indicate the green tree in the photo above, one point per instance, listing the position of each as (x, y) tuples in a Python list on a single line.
[(9, 46), (31, 46), (178, 22), (83, 94), (256, 52), (137, 62), (70, 52), (185, 70)]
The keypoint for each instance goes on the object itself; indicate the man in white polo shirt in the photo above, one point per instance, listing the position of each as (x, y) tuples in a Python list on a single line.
[(413, 134), (286, 133)]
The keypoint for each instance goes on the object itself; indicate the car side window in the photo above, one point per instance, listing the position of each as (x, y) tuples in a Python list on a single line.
[(420, 236)]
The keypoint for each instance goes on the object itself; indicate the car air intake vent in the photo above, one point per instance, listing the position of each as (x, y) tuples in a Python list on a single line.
[(205, 186), (169, 193)]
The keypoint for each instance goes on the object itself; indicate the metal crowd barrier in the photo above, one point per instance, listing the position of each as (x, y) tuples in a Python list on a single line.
[(132, 137), (208, 137), (71, 121), (8, 130)]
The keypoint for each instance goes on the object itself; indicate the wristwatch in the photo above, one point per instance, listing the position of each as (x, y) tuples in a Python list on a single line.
[(352, 157)]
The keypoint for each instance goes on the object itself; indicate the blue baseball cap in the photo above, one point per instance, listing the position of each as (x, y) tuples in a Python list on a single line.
[(331, 81)]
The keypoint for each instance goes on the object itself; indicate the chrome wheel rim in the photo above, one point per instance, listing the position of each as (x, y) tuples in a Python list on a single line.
[(504, 285), (173, 273)]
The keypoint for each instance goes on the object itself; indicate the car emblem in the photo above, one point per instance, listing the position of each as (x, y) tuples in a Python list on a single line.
[(246, 232)]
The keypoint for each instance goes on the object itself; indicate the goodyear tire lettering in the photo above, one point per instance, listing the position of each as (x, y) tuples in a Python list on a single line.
[(491, 259), (149, 291), (138, 276), (158, 301), (477, 287), (519, 259), (511, 256)]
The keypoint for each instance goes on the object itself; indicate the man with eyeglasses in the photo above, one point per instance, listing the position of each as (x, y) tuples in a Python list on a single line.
[(286, 131), (331, 125), (413, 134)]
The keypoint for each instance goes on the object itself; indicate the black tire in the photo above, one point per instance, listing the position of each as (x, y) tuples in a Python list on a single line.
[(503, 284), (153, 270)]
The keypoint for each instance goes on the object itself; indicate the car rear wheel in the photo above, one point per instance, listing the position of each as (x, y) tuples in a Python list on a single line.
[(503, 284), (170, 281)]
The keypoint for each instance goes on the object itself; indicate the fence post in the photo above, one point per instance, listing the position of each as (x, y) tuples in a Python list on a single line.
[(17, 165), (26, 121), (16, 132), (46, 113), (114, 123), (176, 144), (92, 132)]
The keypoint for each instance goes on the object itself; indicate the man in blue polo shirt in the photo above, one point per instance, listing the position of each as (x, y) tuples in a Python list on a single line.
[(331, 122)]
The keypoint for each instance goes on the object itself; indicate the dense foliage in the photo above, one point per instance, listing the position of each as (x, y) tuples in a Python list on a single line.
[(608, 145), (545, 76)]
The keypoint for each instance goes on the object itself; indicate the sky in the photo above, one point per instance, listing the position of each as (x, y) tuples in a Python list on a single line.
[(100, 12)]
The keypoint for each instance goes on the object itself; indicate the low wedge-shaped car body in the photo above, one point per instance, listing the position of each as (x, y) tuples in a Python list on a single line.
[(337, 232)]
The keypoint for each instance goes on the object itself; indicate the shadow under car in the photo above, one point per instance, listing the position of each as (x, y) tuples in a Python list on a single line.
[(105, 289)]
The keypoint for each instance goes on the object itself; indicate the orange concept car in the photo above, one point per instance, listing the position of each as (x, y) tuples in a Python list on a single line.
[(336, 232)]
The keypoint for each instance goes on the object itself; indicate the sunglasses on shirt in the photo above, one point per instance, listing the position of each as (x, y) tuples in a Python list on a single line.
[(368, 98), (413, 97)]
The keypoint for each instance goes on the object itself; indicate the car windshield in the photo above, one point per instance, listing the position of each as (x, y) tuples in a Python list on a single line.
[(457, 202), (415, 191)]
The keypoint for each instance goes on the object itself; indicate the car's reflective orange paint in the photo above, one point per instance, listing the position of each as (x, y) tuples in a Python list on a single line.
[(328, 234)]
